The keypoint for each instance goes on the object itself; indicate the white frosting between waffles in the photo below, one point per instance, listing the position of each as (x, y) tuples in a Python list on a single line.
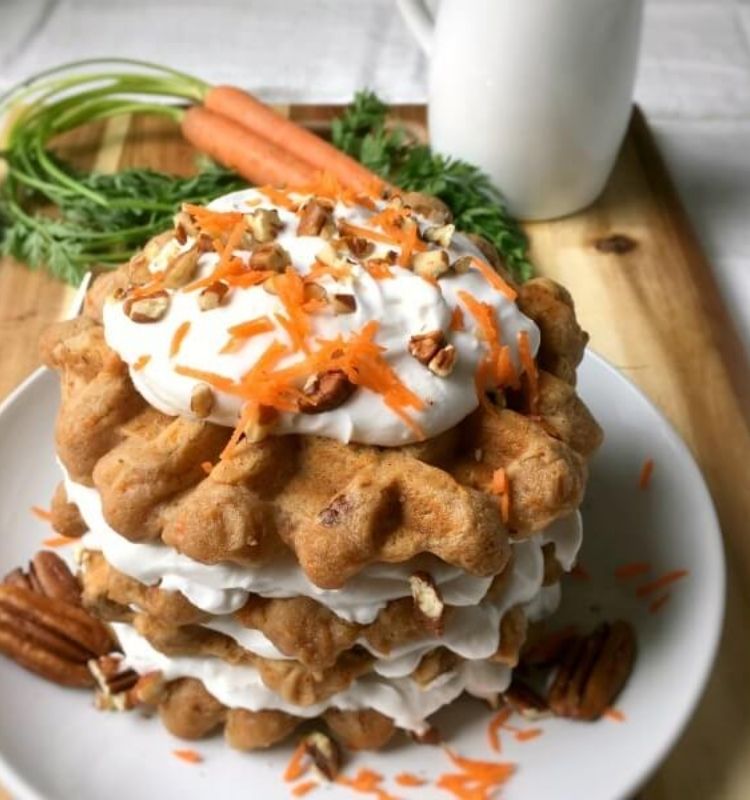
[(403, 306)]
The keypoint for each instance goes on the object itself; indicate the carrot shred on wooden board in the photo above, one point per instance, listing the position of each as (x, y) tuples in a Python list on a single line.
[(41, 513), (263, 122), (190, 756), (257, 159), (615, 715), (297, 765), (366, 781), (179, 337), (59, 541), (141, 362), (644, 479), (494, 279), (659, 603), (409, 779), (661, 582), (304, 788), (457, 319), (632, 570), (529, 370)]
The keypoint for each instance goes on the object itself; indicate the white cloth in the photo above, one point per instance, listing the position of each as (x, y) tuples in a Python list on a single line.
[(693, 82)]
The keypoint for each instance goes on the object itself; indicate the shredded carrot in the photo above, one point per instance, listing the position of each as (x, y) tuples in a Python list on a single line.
[(632, 570), (644, 479), (495, 725), (290, 289), (378, 268), (615, 714), (297, 765), (301, 789), (179, 337), (457, 320), (207, 467), (190, 756), (227, 266), (278, 196), (409, 779), (141, 362), (59, 541), (659, 603), (500, 486), (366, 233), (154, 285), (580, 573), (477, 780), (530, 371), (214, 223), (409, 243), (527, 734), (661, 582), (246, 330), (41, 513), (366, 781), (494, 279)]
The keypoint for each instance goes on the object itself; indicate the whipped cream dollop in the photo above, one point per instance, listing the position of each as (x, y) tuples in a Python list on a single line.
[(221, 589), (403, 306)]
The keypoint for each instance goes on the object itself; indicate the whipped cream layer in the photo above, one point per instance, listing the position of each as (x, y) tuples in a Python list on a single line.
[(221, 589), (403, 306), (401, 699)]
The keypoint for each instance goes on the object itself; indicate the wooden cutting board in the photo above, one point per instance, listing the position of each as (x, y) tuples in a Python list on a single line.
[(647, 296)]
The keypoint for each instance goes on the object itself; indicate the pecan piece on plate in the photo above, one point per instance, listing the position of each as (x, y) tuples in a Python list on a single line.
[(592, 672), (323, 753)]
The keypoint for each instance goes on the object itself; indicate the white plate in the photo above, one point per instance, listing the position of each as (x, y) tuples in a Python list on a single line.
[(55, 745)]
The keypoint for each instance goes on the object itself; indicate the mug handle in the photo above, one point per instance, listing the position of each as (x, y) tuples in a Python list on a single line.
[(419, 20)]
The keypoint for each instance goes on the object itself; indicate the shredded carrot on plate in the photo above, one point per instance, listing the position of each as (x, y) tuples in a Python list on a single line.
[(527, 734), (141, 362), (644, 479), (457, 320), (409, 779), (297, 766), (179, 337), (366, 781), (632, 570), (41, 513), (495, 726), (659, 603), (190, 756), (301, 789), (662, 582)]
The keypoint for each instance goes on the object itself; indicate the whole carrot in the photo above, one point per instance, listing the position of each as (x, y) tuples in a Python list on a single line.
[(258, 118), (252, 156)]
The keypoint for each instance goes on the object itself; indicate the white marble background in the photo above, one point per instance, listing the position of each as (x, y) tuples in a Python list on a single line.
[(693, 82)]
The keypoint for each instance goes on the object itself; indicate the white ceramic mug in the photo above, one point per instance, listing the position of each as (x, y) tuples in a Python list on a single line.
[(535, 92)]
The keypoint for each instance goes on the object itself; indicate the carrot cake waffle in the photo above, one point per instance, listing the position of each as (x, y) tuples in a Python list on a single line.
[(326, 460)]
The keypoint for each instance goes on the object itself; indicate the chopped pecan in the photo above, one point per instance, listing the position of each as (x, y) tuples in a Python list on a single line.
[(326, 391), (270, 256), (201, 400), (593, 671), (151, 308), (182, 268), (440, 234), (314, 217), (149, 689), (212, 295), (428, 601), (113, 683), (525, 701), (442, 363), (264, 224), (462, 264), (427, 206), (431, 264), (425, 346), (344, 303), (358, 246), (324, 754)]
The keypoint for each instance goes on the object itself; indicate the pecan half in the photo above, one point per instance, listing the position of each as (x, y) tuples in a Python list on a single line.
[(50, 636), (52, 577), (593, 671), (428, 601), (326, 391), (425, 346)]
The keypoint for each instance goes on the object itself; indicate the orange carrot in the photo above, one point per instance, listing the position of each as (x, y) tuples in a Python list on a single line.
[(190, 756), (408, 779), (644, 479), (528, 734), (246, 330), (141, 362), (301, 789), (661, 583), (496, 723), (59, 541), (494, 279), (249, 153), (500, 486), (41, 513), (530, 371), (457, 320), (179, 337), (263, 122), (296, 767), (659, 603), (366, 781), (632, 570)]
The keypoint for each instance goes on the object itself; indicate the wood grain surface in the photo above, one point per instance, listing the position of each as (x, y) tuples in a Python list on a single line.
[(647, 296)]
